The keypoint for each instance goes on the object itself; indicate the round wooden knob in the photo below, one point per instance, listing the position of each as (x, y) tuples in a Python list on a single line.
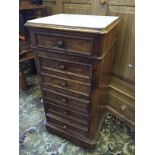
[(130, 65), (123, 107), (60, 44), (64, 127), (65, 112), (64, 100), (62, 67)]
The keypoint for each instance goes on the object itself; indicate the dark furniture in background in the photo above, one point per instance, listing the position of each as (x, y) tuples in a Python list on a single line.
[(74, 65), (27, 11)]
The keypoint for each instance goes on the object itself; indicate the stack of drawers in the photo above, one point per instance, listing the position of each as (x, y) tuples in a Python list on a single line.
[(66, 85), (74, 68)]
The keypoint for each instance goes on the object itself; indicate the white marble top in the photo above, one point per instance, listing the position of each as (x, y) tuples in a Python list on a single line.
[(72, 20)]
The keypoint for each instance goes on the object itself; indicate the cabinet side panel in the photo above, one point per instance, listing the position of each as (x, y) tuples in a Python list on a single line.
[(100, 83), (124, 57)]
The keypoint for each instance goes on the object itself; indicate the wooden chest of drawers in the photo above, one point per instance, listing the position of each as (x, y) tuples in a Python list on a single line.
[(74, 65)]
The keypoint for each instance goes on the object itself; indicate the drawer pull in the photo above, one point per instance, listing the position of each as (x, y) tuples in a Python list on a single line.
[(63, 84), (62, 67), (123, 107), (65, 112), (60, 44), (64, 127), (64, 100)]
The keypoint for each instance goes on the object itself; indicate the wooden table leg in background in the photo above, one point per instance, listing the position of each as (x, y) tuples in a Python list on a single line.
[(22, 80)]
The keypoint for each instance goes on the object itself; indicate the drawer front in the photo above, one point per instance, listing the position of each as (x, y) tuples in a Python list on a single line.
[(66, 75), (64, 66), (66, 113), (66, 84), (122, 107), (66, 100), (73, 44), (66, 125), (75, 94), (122, 2)]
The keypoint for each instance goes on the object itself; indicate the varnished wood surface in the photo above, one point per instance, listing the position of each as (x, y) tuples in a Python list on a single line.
[(123, 87), (26, 5), (65, 66), (75, 6), (121, 117), (66, 125), (123, 75), (77, 117), (122, 90), (70, 43), (72, 136), (121, 100), (67, 6), (124, 58), (67, 84), (66, 101), (99, 8), (122, 2), (72, 82)]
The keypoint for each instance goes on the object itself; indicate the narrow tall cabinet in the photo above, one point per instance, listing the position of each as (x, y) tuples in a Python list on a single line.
[(74, 61), (121, 100)]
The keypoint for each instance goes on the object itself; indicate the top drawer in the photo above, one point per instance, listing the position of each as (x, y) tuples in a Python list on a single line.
[(67, 43)]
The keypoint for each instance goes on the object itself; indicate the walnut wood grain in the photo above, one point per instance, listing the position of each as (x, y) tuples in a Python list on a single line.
[(122, 2), (67, 100), (65, 66), (123, 75), (124, 58), (66, 125), (68, 43), (122, 90), (73, 83), (66, 84), (67, 113)]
